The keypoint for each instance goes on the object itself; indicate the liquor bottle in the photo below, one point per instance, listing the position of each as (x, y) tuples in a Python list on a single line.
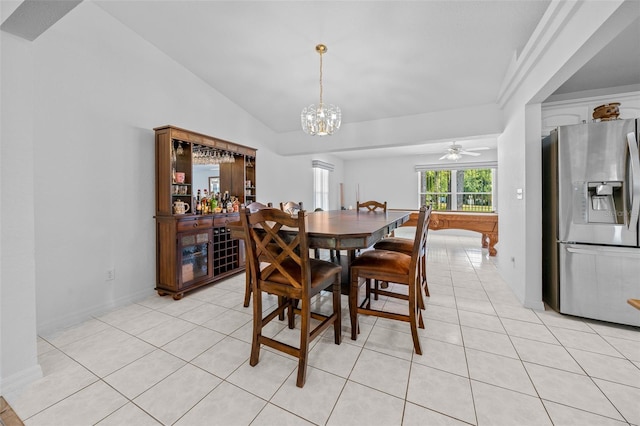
[(198, 203)]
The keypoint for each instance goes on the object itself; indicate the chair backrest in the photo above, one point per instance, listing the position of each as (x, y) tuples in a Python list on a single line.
[(291, 207), (289, 264), (420, 242), (255, 206), (372, 206)]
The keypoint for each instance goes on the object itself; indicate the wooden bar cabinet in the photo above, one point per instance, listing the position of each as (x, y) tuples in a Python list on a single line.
[(193, 250)]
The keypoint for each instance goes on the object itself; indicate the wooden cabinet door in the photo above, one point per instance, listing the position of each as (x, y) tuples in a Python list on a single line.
[(195, 257)]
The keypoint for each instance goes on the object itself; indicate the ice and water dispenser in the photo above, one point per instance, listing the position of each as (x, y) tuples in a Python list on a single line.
[(605, 202)]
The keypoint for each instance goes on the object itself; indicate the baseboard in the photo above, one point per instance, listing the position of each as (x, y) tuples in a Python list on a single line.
[(537, 305), (19, 380), (53, 325)]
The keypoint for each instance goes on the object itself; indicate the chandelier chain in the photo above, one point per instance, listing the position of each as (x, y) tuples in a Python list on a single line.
[(321, 77)]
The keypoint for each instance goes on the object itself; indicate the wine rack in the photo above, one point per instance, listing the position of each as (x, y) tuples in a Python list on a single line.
[(225, 251)]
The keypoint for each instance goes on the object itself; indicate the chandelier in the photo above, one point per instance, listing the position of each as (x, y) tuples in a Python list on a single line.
[(322, 119)]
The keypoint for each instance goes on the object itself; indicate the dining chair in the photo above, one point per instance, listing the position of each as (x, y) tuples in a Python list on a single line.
[(405, 245), (392, 267), (334, 255), (291, 207), (257, 206), (371, 206), (294, 276), (253, 207)]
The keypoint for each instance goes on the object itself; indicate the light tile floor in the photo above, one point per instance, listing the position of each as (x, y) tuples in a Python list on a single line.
[(487, 360)]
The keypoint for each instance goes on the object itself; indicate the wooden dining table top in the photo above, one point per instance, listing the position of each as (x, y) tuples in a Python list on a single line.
[(345, 229), (350, 229)]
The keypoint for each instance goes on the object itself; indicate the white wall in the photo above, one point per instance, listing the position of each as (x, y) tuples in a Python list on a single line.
[(393, 179), (85, 97), (18, 361)]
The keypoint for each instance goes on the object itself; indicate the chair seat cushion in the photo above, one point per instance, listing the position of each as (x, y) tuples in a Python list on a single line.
[(403, 245), (386, 261), (321, 271)]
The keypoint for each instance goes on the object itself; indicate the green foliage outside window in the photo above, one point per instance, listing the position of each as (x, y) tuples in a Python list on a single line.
[(477, 180), (473, 191)]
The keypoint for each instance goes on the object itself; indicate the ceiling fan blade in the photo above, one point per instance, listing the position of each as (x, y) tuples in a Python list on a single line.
[(475, 154), (443, 157), (482, 148)]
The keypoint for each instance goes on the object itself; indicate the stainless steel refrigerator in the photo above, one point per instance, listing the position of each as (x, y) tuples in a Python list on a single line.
[(590, 205)]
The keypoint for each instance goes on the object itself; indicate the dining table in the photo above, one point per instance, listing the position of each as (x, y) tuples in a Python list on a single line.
[(348, 230)]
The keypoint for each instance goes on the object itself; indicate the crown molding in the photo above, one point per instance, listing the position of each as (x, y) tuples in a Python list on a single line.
[(553, 22)]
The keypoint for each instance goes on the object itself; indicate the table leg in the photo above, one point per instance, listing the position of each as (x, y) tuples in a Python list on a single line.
[(493, 240), (345, 261)]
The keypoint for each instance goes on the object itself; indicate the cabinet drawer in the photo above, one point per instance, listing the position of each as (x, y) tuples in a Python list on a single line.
[(193, 223), (226, 219)]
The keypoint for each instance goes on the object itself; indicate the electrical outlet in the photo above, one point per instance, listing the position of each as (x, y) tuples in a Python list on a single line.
[(110, 275)]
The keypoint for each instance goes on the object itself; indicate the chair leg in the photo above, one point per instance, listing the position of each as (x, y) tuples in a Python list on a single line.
[(293, 303), (257, 328), (353, 304), (337, 310), (281, 301), (421, 304), (414, 313), (424, 275), (305, 325), (247, 289)]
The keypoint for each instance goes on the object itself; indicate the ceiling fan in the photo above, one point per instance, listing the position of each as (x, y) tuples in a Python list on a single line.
[(455, 152)]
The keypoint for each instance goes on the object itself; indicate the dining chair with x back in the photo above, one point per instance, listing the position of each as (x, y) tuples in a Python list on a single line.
[(252, 207), (291, 207), (291, 274), (371, 206)]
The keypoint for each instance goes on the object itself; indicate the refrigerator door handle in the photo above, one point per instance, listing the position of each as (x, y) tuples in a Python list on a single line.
[(635, 189), (609, 251)]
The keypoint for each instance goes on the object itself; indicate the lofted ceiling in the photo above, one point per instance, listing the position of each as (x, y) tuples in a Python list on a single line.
[(385, 59)]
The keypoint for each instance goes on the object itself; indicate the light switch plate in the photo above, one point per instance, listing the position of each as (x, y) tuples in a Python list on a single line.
[(519, 193)]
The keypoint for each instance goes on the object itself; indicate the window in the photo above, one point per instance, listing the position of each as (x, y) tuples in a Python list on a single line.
[(321, 184), (464, 189)]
